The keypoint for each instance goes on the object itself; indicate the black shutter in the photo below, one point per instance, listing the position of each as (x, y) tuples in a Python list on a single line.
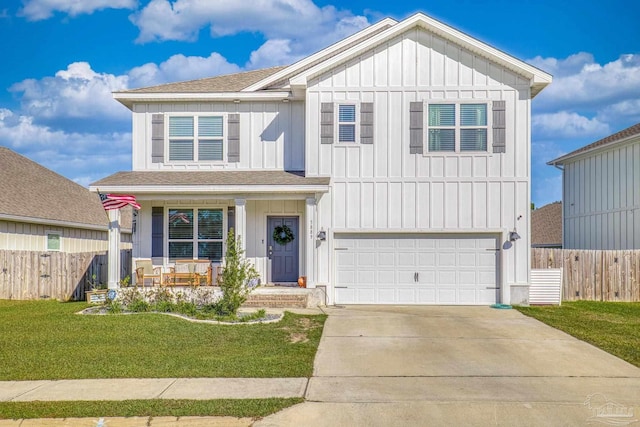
[(157, 231)]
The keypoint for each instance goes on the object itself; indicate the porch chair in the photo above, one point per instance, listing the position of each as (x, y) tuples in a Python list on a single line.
[(146, 271)]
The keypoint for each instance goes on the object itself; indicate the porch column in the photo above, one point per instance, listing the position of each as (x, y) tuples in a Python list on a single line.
[(114, 249), (310, 241), (241, 222)]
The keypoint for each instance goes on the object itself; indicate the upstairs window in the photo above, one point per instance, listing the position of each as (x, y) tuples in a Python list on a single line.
[(457, 127), (196, 138), (346, 123)]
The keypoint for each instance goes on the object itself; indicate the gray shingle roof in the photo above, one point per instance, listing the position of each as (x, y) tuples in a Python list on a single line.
[(28, 189), (227, 83), (222, 178), (546, 225), (611, 139)]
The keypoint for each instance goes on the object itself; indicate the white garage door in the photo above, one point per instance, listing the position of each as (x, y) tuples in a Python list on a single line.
[(416, 269)]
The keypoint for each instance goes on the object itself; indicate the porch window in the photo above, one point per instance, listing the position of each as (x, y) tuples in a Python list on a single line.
[(457, 127), (196, 138), (195, 233)]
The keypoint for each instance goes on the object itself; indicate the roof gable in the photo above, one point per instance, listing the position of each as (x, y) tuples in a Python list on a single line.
[(31, 191), (538, 78), (323, 55), (617, 138)]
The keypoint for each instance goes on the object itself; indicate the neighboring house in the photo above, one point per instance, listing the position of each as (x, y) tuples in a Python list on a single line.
[(399, 159), (43, 211), (546, 226), (601, 193)]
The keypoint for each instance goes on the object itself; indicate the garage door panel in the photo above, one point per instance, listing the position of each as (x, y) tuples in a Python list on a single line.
[(387, 296), (446, 259), (415, 269), (447, 278), (426, 259), (467, 259), (406, 296), (426, 296), (366, 259)]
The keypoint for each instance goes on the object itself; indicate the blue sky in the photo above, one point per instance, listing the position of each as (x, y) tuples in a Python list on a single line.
[(63, 58)]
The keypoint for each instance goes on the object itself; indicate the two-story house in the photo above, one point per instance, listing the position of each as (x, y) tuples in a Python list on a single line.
[(392, 167)]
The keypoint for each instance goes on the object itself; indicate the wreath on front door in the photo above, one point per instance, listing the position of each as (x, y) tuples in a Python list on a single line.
[(283, 235)]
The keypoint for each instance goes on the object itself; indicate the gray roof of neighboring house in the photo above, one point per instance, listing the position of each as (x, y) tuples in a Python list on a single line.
[(31, 191), (227, 83), (611, 139), (546, 225), (221, 178)]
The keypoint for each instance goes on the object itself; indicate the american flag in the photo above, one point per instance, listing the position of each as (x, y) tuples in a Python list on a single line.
[(117, 201)]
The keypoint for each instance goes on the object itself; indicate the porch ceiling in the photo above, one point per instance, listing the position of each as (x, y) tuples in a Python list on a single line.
[(211, 182)]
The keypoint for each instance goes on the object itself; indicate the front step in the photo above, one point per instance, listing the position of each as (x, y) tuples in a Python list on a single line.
[(276, 300)]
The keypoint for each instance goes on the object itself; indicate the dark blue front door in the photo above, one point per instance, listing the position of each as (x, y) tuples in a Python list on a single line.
[(284, 258)]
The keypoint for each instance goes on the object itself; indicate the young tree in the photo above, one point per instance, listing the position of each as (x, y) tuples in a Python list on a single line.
[(237, 274)]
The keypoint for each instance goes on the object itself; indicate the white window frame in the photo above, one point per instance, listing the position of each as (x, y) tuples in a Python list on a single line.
[(46, 242), (457, 127), (356, 122), (194, 240), (196, 138)]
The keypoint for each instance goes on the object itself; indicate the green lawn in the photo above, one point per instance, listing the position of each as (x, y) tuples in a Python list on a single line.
[(611, 326), (48, 340), (145, 408)]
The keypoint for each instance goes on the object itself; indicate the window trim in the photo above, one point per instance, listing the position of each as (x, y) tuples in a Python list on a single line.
[(356, 123), (194, 240), (457, 127), (46, 242), (196, 138)]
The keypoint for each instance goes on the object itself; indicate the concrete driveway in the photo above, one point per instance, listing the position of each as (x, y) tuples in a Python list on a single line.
[(405, 365)]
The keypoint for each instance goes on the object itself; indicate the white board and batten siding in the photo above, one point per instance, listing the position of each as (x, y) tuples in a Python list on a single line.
[(271, 135), (383, 187), (602, 199)]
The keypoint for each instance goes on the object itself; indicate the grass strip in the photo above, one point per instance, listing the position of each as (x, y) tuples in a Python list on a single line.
[(611, 326), (251, 408)]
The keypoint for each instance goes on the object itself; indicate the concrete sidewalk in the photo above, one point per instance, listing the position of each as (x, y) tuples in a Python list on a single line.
[(152, 388)]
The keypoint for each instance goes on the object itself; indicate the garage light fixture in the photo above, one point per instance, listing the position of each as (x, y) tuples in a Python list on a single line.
[(513, 235)]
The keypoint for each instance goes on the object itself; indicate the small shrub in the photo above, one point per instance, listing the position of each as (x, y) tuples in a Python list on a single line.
[(187, 308), (139, 305), (165, 306), (114, 306)]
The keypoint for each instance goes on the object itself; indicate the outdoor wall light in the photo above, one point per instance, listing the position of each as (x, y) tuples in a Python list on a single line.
[(513, 235), (322, 235)]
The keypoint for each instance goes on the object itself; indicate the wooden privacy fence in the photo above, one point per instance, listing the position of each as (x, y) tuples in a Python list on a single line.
[(593, 274), (27, 275)]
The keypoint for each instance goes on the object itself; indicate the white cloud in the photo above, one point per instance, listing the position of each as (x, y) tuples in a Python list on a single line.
[(77, 92), (564, 124), (180, 68), (72, 154), (583, 83), (277, 19), (628, 110), (36, 10), (273, 52)]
